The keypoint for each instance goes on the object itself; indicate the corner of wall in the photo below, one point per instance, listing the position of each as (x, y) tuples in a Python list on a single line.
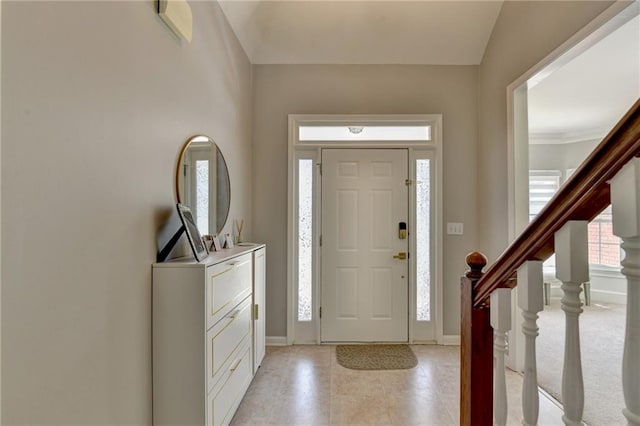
[(0, 215)]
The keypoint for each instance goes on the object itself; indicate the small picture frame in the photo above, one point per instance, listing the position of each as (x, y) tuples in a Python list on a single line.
[(198, 246), (228, 238), (215, 243)]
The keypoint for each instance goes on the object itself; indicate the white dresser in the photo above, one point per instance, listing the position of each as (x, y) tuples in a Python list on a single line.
[(208, 334)]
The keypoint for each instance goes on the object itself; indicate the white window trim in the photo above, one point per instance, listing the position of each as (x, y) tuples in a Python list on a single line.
[(418, 330), (600, 266), (312, 149)]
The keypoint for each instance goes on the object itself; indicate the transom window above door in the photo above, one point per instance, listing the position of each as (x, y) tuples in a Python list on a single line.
[(372, 130), (355, 132)]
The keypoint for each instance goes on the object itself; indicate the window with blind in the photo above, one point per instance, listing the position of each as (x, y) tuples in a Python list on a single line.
[(604, 247), (543, 184)]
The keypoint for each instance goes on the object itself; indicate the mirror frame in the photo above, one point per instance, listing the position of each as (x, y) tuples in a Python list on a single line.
[(178, 173)]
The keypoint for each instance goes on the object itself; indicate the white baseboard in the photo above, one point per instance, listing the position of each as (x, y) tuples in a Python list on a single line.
[(450, 340), (597, 296), (447, 340), (604, 296), (424, 342), (276, 341)]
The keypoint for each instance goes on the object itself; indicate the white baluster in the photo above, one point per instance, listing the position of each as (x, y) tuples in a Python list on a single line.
[(625, 198), (572, 268), (501, 323), (531, 301)]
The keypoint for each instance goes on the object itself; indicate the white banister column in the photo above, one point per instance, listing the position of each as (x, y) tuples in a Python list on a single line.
[(572, 268), (501, 323), (625, 200), (531, 301)]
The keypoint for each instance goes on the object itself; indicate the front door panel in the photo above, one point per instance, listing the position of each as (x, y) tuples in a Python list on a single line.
[(364, 288)]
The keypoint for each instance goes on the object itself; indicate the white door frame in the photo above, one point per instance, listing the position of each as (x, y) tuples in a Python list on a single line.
[(309, 332), (0, 213), (517, 135)]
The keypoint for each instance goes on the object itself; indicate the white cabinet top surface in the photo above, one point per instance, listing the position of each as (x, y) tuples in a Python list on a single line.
[(213, 258)]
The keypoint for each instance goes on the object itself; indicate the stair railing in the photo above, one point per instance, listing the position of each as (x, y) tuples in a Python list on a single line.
[(609, 175)]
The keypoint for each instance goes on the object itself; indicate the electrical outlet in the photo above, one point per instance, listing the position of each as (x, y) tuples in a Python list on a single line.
[(455, 228)]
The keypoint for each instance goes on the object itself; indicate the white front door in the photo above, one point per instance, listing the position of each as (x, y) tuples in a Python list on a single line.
[(364, 287)]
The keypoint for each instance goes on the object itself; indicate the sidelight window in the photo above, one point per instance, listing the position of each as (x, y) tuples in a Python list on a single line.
[(305, 239), (202, 195), (423, 240)]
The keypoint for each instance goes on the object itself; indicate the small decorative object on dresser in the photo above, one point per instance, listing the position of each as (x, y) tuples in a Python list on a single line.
[(215, 243), (228, 241), (239, 225)]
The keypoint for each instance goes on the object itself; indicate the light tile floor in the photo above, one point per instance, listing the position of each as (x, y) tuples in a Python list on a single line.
[(304, 385)]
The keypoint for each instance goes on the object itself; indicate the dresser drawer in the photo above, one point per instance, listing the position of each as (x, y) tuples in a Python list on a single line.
[(224, 338), (223, 401), (228, 283)]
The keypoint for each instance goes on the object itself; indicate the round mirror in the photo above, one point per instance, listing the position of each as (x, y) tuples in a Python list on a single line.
[(202, 183)]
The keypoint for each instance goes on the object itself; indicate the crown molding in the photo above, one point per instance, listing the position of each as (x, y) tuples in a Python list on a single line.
[(564, 138)]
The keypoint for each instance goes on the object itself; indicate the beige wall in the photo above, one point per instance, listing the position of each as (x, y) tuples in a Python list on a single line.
[(280, 90), (525, 32), (97, 99), (0, 215)]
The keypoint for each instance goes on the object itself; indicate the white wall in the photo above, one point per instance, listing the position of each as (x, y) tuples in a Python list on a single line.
[(560, 156), (280, 90), (547, 157), (98, 97), (525, 32)]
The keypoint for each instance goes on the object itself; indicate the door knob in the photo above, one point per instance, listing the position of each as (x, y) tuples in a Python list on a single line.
[(402, 255)]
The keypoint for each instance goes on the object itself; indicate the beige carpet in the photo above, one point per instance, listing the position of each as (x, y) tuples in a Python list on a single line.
[(376, 357), (601, 343)]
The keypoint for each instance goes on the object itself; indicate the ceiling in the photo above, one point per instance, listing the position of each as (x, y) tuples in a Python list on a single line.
[(581, 99), (586, 97), (363, 31)]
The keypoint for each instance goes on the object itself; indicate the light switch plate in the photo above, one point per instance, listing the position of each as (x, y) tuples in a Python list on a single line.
[(455, 228)]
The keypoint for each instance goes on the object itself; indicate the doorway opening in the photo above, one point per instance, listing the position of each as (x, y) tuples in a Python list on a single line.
[(363, 241), (558, 112)]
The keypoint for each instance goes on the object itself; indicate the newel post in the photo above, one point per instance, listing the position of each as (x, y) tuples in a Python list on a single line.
[(476, 350)]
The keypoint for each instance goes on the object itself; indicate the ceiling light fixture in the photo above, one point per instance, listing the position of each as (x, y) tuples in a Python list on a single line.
[(355, 129)]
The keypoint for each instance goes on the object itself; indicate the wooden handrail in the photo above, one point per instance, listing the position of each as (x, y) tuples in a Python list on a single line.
[(582, 197)]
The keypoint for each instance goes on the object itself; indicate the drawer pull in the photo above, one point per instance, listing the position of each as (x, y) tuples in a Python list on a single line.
[(233, 314), (235, 364), (230, 268), (233, 264)]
